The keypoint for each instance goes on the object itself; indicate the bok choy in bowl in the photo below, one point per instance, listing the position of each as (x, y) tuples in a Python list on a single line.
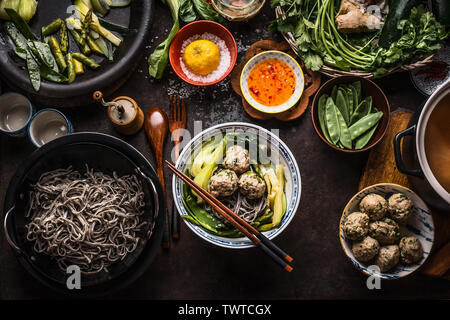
[(250, 170)]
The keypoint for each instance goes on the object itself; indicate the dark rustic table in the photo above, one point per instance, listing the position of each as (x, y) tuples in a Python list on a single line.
[(195, 269)]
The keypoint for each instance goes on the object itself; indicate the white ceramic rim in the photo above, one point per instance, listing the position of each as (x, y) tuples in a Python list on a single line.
[(22, 129), (281, 143), (420, 139), (68, 123), (293, 100), (358, 265)]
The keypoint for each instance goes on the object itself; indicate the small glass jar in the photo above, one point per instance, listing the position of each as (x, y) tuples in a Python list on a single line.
[(238, 10)]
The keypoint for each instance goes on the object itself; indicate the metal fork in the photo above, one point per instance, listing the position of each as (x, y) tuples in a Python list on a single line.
[(177, 121)]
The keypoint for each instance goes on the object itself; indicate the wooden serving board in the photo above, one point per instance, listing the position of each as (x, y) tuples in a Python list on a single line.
[(381, 168), (312, 82)]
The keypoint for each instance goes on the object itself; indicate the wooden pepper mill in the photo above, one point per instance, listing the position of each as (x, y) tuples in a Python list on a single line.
[(123, 112)]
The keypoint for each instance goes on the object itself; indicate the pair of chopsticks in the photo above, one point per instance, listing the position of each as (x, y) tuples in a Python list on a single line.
[(272, 250)]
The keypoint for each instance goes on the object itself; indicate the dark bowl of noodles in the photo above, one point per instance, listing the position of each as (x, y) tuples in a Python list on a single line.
[(85, 202)]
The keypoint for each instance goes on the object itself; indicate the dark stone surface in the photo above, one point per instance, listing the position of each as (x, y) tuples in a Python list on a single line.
[(195, 269)]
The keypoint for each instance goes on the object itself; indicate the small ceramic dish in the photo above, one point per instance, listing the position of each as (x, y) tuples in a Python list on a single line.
[(47, 125), (198, 28), (15, 114), (368, 88), (276, 55), (420, 224)]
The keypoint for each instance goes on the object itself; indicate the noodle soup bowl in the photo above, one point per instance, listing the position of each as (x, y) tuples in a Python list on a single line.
[(265, 142)]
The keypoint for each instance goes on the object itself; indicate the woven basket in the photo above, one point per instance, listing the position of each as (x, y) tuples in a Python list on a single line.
[(332, 73)]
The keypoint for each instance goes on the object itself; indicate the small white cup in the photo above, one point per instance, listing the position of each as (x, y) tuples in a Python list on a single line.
[(16, 112), (47, 125)]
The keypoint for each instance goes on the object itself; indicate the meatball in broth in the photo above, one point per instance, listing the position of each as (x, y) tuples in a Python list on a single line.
[(237, 159), (251, 185), (223, 184)]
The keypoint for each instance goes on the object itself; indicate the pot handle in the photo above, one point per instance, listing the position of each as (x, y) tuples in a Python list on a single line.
[(6, 224), (398, 153)]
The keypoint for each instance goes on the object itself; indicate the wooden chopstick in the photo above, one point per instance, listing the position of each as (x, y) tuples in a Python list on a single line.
[(248, 230)]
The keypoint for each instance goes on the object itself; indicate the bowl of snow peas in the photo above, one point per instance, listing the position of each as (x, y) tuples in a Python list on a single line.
[(350, 113)]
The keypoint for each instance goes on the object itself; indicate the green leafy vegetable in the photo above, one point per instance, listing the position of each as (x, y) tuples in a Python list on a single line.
[(412, 36), (187, 11)]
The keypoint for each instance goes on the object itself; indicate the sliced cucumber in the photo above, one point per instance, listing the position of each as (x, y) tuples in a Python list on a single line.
[(117, 28)]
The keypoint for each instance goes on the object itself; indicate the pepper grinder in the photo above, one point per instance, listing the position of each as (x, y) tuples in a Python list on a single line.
[(124, 113)]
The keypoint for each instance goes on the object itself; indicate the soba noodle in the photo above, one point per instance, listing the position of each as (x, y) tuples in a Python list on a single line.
[(247, 209), (91, 220)]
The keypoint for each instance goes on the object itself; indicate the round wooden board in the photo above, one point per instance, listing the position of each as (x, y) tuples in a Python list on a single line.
[(312, 82)]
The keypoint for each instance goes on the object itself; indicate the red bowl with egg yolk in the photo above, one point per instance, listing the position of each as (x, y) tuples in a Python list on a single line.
[(200, 27)]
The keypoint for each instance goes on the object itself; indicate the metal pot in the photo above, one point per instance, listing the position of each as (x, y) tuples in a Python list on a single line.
[(421, 176)]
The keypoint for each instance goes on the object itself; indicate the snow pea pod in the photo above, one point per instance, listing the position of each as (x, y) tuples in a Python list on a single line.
[(51, 75), (51, 28), (44, 54), (54, 46), (332, 121), (350, 102), (363, 140), (33, 72), (321, 115), (19, 40), (342, 104), (363, 109), (345, 138), (334, 93), (357, 86), (21, 24), (364, 124)]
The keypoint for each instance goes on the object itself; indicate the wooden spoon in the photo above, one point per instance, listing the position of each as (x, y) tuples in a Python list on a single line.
[(156, 126)]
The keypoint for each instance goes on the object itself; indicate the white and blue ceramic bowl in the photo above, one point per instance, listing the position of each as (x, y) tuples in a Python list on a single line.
[(277, 55), (280, 151), (16, 112), (47, 125), (420, 224)]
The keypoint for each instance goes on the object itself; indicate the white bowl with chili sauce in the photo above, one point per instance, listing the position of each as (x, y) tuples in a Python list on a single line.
[(272, 82)]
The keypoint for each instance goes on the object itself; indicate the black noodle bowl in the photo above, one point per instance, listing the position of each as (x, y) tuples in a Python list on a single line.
[(101, 158)]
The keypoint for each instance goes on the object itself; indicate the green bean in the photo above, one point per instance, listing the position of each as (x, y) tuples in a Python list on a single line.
[(364, 124), (54, 46), (81, 43), (362, 141), (64, 38), (332, 121), (342, 104), (51, 28), (321, 115), (70, 68), (85, 60), (345, 139)]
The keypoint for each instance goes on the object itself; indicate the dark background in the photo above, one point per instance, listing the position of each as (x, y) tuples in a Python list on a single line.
[(195, 269)]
